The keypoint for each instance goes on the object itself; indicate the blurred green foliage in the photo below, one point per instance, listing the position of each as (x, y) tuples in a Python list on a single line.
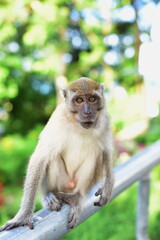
[(14, 153), (152, 133), (41, 40)]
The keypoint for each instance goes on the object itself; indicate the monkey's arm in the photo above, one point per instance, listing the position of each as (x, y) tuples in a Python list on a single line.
[(106, 191), (24, 215)]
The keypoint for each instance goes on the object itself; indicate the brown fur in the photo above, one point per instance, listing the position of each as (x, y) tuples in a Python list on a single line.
[(84, 85)]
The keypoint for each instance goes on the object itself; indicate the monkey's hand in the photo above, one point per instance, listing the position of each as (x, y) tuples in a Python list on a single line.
[(104, 196), (17, 223)]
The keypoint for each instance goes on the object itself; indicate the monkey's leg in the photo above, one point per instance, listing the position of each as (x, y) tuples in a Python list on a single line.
[(52, 202), (74, 200), (106, 191), (24, 215)]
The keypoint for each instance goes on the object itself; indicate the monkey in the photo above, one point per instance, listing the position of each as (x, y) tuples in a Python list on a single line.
[(73, 153)]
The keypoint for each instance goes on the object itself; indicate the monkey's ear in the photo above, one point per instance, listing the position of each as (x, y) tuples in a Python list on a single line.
[(102, 87), (63, 93)]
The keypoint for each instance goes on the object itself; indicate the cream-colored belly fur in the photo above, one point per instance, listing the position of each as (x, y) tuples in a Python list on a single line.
[(78, 161), (79, 150), (81, 155)]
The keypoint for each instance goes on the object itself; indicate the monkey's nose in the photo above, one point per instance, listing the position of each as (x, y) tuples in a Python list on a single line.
[(88, 113), (86, 109)]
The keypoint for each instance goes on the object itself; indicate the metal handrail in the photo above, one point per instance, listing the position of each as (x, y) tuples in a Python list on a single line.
[(53, 225)]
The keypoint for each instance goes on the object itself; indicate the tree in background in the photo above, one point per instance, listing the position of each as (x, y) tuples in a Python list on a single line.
[(42, 40)]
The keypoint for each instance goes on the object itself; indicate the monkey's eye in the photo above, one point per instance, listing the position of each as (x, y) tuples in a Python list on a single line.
[(79, 100), (92, 99)]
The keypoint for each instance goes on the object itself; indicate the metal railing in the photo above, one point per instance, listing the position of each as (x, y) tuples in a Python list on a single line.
[(53, 225)]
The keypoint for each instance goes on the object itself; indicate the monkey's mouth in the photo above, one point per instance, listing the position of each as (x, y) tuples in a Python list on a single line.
[(87, 124)]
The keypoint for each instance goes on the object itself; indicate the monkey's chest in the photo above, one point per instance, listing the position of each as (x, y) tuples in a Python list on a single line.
[(79, 151)]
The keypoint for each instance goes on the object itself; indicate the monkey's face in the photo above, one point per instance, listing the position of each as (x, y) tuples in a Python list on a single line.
[(84, 99), (85, 108)]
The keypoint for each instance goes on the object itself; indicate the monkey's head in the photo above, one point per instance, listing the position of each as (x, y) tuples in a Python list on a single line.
[(84, 99)]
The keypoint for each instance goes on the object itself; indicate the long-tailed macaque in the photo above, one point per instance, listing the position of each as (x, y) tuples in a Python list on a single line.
[(73, 153)]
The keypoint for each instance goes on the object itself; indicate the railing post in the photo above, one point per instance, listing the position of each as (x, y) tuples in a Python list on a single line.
[(142, 208)]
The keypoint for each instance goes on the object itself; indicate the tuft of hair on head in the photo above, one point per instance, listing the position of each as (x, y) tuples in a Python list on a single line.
[(83, 85)]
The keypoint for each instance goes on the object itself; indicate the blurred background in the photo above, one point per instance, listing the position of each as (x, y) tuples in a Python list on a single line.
[(46, 44)]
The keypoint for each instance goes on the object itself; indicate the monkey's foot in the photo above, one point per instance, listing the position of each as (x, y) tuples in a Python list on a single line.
[(73, 199), (104, 197), (13, 224), (52, 202)]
